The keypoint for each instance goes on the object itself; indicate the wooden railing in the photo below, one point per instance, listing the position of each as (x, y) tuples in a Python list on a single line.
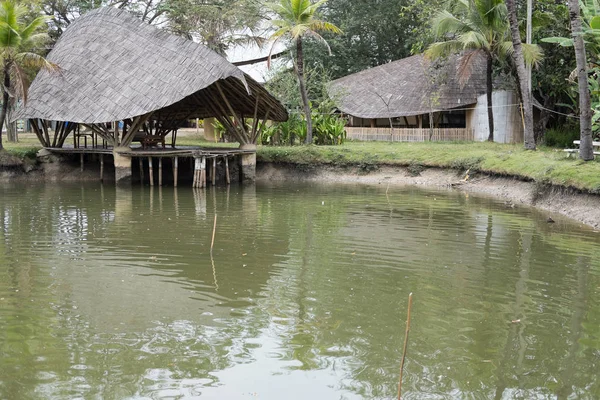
[(410, 134)]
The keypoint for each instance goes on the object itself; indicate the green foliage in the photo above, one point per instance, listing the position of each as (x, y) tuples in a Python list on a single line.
[(590, 11), (562, 137), (283, 84), (284, 133), (329, 129), (219, 24), (374, 33)]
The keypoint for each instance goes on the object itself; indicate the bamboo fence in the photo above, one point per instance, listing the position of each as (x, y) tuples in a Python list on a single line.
[(410, 134)]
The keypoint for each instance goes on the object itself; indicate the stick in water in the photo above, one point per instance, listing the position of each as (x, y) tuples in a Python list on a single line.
[(212, 243), (405, 345)]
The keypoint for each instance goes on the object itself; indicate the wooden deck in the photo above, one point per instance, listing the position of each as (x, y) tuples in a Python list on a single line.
[(180, 151), (145, 156)]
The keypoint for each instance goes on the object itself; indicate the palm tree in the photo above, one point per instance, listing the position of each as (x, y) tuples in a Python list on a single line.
[(586, 151), (522, 74), (17, 43), (296, 19), (479, 26)]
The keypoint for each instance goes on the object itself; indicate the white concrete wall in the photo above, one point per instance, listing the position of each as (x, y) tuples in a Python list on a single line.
[(508, 124)]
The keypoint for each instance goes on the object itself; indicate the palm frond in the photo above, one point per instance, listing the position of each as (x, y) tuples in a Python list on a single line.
[(506, 48), (312, 9), (444, 23), (320, 39), (271, 51), (32, 60), (19, 82), (464, 68), (533, 54), (30, 29), (279, 33), (441, 49), (473, 40), (318, 25), (299, 31), (9, 36)]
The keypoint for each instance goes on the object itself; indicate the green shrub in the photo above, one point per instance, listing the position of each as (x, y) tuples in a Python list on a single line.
[(561, 137), (328, 129)]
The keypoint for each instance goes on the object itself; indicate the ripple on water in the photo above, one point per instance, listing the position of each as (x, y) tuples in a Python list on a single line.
[(107, 293)]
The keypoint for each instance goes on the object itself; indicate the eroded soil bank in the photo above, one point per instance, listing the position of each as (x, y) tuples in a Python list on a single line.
[(579, 206)]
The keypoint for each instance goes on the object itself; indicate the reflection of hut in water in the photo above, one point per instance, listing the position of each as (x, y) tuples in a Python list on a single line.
[(123, 81), (127, 273)]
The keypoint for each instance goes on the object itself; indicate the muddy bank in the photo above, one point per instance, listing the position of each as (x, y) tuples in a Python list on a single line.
[(579, 206), (48, 169)]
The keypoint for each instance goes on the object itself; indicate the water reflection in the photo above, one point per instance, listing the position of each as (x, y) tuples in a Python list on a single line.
[(111, 293)]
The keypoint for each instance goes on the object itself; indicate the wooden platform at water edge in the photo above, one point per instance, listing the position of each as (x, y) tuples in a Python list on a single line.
[(204, 158)]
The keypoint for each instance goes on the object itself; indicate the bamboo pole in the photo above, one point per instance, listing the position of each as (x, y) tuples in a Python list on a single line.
[(196, 168), (141, 161), (212, 242), (175, 168), (227, 178), (160, 169), (203, 172), (151, 171), (213, 171), (405, 345), (101, 167)]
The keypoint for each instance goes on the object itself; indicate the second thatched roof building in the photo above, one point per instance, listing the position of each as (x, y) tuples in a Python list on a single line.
[(415, 93)]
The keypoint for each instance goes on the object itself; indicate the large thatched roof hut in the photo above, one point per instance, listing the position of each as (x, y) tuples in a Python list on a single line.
[(114, 67), (407, 92)]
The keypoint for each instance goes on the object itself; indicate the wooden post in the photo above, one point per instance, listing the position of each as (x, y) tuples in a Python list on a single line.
[(160, 162), (175, 168), (150, 171), (141, 170), (227, 170), (214, 171), (203, 172), (81, 161), (405, 346), (197, 172), (101, 167)]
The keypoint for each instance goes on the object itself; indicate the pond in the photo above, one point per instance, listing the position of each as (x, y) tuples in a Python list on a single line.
[(108, 293)]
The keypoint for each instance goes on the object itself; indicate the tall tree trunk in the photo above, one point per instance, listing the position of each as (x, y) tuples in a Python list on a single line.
[(522, 73), (4, 103), (11, 127), (303, 93), (489, 92), (586, 151)]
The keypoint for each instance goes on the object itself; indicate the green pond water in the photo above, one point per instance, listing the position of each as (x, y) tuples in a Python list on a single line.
[(113, 294)]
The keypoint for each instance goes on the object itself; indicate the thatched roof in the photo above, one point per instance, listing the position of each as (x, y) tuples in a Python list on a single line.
[(411, 86), (114, 67)]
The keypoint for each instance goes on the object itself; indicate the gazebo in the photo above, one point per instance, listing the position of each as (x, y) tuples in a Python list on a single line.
[(122, 80)]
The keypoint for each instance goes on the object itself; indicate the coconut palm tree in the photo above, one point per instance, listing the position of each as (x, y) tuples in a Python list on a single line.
[(522, 74), (586, 151), (18, 42), (479, 26), (296, 19)]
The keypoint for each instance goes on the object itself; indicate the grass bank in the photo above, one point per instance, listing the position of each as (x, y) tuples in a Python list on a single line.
[(546, 165)]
